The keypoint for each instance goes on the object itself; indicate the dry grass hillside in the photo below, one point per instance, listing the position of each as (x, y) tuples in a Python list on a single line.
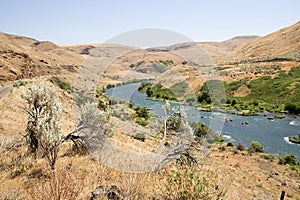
[(220, 49), (264, 56), (22, 57), (285, 43), (232, 173)]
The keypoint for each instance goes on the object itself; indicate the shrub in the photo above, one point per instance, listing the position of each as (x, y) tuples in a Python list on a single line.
[(167, 144), (233, 102), (166, 62), (256, 147), (110, 86), (43, 131), (61, 84), (289, 159), (240, 147), (212, 92), (19, 83), (186, 183), (142, 112), (200, 129), (292, 108), (130, 104), (173, 123), (213, 138), (268, 156), (230, 144), (141, 121), (140, 136), (102, 104)]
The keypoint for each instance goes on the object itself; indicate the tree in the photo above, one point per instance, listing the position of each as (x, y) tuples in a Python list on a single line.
[(90, 127), (43, 131), (183, 138), (142, 112), (292, 108), (289, 159)]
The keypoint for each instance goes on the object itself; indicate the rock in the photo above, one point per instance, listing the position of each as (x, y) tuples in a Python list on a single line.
[(107, 192)]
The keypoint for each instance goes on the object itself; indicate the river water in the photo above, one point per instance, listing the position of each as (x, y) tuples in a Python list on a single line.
[(272, 134)]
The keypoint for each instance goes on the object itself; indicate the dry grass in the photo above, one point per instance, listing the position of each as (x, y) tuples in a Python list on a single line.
[(61, 184), (77, 176)]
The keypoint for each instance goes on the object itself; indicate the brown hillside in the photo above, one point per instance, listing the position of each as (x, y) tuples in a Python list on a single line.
[(22, 57), (280, 43), (218, 49)]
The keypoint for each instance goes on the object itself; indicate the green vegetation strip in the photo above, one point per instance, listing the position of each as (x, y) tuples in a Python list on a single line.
[(63, 85), (157, 91), (279, 94)]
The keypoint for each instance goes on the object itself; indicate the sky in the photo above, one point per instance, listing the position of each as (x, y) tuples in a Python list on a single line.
[(96, 21)]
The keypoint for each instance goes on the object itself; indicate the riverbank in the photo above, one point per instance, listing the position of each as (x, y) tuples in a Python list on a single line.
[(269, 132)]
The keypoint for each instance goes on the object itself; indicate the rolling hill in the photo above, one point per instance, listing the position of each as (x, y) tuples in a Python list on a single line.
[(284, 43), (22, 57)]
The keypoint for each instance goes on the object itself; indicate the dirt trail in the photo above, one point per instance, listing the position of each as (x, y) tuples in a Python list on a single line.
[(5, 90)]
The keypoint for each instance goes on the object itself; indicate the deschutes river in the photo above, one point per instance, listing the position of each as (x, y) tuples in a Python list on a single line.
[(272, 134)]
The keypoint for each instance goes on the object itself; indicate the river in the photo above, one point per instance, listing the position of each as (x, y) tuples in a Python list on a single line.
[(272, 134)]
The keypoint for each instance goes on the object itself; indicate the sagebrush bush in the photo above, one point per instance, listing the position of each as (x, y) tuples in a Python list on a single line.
[(140, 136), (289, 159), (256, 147), (240, 147), (43, 129)]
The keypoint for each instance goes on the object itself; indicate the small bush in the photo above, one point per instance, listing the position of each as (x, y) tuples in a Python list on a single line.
[(292, 108), (256, 147), (240, 147), (110, 86), (268, 156), (167, 144), (113, 101), (141, 121), (140, 136), (230, 144), (19, 83), (289, 159), (200, 129), (173, 123), (61, 84), (142, 112), (186, 183), (130, 104)]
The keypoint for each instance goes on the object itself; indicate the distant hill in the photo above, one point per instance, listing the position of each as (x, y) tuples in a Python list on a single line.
[(283, 43), (212, 49), (240, 57), (23, 57), (218, 49)]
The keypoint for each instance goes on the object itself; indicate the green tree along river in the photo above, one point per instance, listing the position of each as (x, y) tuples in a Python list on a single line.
[(272, 134)]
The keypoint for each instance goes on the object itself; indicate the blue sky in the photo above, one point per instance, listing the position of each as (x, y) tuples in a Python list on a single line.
[(95, 21)]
